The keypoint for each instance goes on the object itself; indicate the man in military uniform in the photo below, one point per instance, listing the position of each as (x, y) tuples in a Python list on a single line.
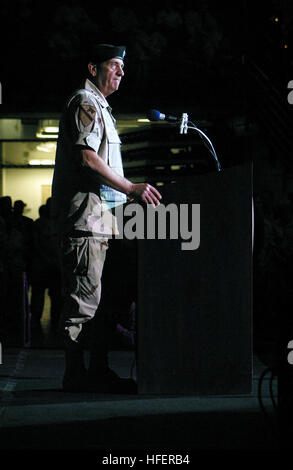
[(88, 182)]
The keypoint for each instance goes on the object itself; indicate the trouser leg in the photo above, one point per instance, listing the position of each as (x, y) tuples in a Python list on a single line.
[(82, 266), (83, 261)]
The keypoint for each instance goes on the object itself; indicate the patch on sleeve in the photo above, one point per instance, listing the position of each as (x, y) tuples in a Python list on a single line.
[(87, 114)]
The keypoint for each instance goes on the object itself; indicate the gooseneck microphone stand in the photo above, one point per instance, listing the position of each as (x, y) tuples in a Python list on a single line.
[(183, 130)]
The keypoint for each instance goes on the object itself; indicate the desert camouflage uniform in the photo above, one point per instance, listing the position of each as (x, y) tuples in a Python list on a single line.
[(82, 205)]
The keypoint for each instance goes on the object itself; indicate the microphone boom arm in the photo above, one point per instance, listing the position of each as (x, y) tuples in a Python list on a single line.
[(210, 147)]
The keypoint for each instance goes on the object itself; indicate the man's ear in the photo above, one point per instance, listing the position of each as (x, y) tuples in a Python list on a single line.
[(92, 68)]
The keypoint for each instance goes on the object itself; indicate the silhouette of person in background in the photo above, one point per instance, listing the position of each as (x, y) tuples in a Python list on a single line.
[(45, 273), (23, 225), (17, 236), (6, 211)]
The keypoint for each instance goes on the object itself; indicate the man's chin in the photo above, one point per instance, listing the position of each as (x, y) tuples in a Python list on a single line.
[(114, 88)]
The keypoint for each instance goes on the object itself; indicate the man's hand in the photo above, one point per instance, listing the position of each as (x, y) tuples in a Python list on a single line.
[(146, 193)]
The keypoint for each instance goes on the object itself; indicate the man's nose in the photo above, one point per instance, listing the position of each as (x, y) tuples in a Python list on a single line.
[(120, 71)]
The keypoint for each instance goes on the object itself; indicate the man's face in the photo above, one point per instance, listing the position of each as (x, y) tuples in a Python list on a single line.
[(109, 76)]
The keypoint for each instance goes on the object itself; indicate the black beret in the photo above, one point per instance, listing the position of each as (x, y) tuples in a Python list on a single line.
[(102, 52)]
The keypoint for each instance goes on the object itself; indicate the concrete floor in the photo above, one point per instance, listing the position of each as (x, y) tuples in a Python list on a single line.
[(35, 414)]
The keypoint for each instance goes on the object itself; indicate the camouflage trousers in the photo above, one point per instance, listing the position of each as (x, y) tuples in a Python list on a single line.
[(82, 266)]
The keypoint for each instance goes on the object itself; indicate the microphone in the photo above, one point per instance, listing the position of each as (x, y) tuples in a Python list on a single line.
[(155, 115)]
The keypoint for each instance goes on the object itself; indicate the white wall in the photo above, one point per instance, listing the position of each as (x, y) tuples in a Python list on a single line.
[(26, 184)]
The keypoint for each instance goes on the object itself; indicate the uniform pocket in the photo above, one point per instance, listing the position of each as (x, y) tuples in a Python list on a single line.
[(76, 255)]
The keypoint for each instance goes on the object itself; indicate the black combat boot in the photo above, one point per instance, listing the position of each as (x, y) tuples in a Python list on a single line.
[(102, 379)]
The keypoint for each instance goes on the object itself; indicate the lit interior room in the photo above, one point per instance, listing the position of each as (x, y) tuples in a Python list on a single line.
[(28, 148), (28, 156)]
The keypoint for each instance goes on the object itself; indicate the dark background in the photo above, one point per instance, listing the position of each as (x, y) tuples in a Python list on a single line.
[(228, 63), (176, 51)]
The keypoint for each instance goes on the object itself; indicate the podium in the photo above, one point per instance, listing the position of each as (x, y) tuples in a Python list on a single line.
[(194, 322)]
